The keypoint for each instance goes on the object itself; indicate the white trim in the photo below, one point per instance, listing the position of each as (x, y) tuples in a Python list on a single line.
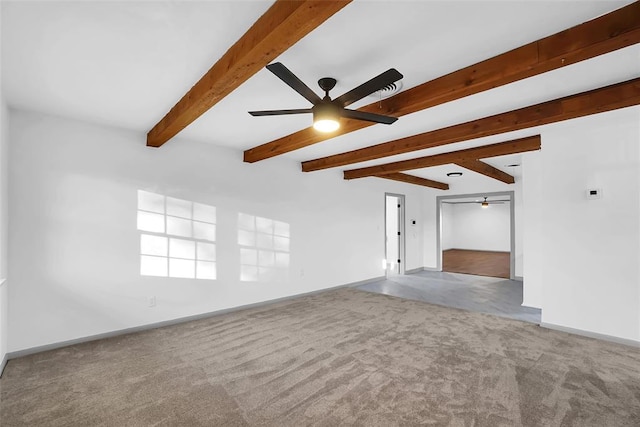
[(414, 270), (589, 334), (53, 346), (348, 285), (402, 244), (2, 282)]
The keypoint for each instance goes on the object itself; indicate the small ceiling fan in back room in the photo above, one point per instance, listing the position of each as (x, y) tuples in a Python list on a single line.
[(327, 111), (483, 203)]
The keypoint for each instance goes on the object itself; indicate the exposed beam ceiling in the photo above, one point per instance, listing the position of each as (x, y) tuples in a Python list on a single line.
[(503, 148), (487, 170), (604, 34), (609, 98), (282, 25), (403, 177)]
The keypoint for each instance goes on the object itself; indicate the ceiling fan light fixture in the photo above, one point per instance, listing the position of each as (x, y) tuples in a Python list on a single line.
[(485, 205), (326, 125), (326, 117)]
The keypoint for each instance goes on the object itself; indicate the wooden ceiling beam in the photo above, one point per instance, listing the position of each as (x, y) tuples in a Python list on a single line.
[(281, 26), (515, 146), (487, 170), (411, 179), (608, 98), (607, 33)]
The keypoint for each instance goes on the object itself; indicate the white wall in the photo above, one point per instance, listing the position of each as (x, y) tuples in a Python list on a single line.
[(473, 227), (4, 297), (4, 173), (533, 200), (75, 249), (447, 238), (581, 256), (519, 213)]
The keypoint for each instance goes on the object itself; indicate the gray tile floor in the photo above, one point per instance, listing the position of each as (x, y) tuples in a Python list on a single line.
[(490, 295)]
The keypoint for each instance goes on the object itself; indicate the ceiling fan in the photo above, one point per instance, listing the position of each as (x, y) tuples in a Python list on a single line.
[(327, 111), (485, 203)]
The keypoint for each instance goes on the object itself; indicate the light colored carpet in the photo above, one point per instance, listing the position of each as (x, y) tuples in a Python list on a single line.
[(342, 357)]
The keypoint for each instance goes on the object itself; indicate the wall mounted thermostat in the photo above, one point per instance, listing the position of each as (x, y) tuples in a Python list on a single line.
[(594, 193)]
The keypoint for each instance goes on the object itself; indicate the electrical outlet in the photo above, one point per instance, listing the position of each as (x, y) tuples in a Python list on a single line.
[(594, 193), (151, 301)]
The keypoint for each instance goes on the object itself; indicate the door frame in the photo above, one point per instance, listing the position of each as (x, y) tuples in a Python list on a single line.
[(401, 225), (512, 225)]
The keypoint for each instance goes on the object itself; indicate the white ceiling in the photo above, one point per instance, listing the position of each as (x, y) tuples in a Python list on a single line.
[(125, 64)]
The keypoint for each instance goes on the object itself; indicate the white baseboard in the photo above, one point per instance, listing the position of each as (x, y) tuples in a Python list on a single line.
[(350, 285), (419, 269), (589, 334), (53, 346)]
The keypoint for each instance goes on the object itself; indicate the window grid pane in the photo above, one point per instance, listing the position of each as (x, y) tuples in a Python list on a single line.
[(153, 245), (153, 266), (179, 226), (182, 268)]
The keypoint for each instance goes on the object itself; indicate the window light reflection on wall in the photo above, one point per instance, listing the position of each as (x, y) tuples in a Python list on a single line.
[(264, 249), (178, 238)]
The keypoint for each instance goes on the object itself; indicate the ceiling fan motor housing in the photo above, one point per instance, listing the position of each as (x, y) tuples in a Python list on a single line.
[(326, 110)]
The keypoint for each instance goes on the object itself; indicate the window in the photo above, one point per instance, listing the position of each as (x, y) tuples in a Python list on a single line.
[(178, 237)]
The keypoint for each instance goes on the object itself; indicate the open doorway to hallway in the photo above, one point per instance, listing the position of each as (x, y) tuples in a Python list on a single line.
[(394, 234), (476, 234)]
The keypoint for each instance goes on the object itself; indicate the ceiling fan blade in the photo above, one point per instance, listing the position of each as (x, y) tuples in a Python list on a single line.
[(369, 117), (491, 202), (390, 76), (280, 112), (458, 203), (294, 82)]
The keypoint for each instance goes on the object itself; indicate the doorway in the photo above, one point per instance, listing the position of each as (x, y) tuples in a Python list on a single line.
[(394, 234), (476, 234)]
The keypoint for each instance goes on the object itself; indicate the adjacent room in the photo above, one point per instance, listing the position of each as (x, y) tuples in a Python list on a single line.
[(476, 235), (305, 212)]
